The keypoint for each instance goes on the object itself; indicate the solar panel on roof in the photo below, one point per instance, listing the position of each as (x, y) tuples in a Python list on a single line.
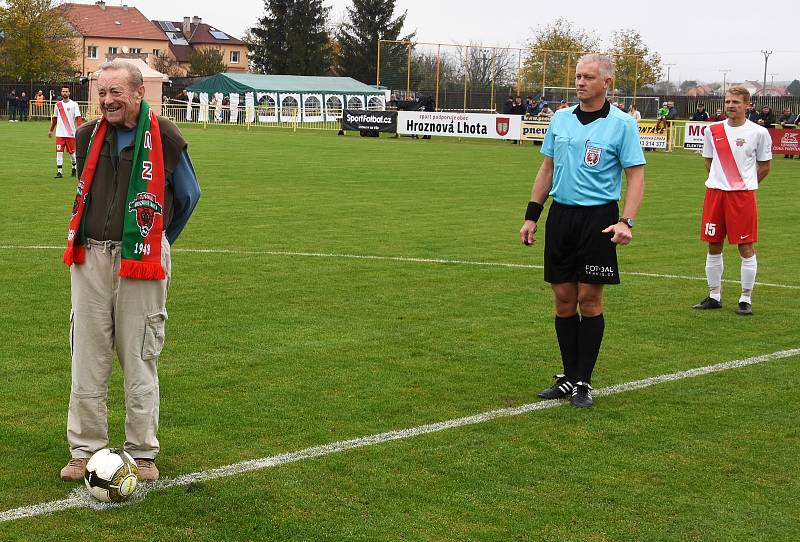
[(219, 35), (176, 38)]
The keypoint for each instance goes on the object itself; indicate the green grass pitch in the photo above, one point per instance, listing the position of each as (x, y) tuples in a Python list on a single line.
[(271, 351)]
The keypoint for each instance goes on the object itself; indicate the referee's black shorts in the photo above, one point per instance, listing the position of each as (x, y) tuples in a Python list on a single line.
[(575, 247)]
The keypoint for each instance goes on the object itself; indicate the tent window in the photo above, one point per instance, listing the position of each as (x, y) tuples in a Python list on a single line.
[(289, 106), (313, 107), (334, 105), (375, 104), (266, 105)]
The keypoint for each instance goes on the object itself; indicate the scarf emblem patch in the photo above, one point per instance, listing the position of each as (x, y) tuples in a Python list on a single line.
[(146, 208)]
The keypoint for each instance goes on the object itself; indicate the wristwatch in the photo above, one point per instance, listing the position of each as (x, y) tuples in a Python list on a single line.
[(627, 221)]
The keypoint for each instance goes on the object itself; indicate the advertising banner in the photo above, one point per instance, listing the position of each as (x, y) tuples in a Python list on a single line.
[(533, 130), (361, 119), (482, 125), (693, 136), (785, 141), (650, 137)]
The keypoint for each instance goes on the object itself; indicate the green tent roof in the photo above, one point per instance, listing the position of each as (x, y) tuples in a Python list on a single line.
[(305, 84)]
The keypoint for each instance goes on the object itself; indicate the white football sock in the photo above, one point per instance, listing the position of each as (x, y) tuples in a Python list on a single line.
[(59, 159), (714, 268), (749, 268)]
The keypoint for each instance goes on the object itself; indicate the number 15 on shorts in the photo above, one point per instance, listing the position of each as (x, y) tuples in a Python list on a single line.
[(711, 229)]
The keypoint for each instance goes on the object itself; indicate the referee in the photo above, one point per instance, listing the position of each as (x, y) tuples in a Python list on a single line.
[(585, 150)]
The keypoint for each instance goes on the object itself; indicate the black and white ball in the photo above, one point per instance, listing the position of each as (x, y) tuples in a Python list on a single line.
[(111, 475)]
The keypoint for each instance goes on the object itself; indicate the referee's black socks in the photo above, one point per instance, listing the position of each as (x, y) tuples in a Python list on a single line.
[(567, 333), (590, 336)]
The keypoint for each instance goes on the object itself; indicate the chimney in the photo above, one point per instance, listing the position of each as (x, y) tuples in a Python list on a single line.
[(196, 20), (101, 4), (187, 28), (124, 7)]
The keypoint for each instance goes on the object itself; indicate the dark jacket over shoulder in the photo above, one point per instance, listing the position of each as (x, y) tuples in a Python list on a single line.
[(105, 205)]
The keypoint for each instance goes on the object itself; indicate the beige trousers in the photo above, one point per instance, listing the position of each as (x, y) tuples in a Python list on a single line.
[(109, 314)]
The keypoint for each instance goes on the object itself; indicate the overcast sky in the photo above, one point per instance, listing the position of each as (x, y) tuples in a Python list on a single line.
[(698, 40)]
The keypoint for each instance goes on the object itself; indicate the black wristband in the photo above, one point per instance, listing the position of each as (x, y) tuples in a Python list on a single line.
[(534, 211)]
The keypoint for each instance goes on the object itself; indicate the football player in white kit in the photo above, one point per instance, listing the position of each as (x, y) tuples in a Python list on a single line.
[(737, 154), (66, 119)]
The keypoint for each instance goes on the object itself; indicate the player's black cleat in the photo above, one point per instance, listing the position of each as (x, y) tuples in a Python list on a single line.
[(562, 388), (745, 309), (708, 303), (581, 395), (74, 172), (58, 175)]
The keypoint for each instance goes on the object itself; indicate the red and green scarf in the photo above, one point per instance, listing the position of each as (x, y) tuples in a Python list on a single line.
[(143, 224)]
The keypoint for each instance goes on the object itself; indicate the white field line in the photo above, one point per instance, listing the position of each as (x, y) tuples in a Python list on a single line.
[(80, 498), (405, 259)]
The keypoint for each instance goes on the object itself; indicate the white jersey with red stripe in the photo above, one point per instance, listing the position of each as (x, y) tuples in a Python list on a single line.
[(749, 143), (66, 124)]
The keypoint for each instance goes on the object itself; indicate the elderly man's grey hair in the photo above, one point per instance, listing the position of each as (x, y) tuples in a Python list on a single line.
[(134, 74), (605, 63)]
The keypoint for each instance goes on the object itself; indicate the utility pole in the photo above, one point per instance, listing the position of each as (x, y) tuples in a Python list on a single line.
[(669, 66), (724, 74), (766, 59), (772, 82)]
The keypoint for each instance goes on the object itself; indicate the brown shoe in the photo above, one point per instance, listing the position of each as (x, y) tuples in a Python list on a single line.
[(147, 470), (74, 470)]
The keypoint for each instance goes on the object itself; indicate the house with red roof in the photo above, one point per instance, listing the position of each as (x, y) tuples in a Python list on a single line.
[(106, 32), (192, 34)]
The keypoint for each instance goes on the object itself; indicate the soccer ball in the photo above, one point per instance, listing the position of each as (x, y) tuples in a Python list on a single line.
[(111, 475)]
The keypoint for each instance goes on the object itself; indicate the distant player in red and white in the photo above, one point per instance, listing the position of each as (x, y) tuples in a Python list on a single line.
[(66, 119), (738, 154)]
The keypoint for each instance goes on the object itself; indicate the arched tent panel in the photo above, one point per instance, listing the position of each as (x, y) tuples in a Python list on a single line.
[(355, 102), (267, 106), (333, 107), (376, 103), (289, 107), (312, 108)]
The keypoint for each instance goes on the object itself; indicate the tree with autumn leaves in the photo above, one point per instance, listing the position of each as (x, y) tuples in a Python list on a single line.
[(556, 48), (38, 42)]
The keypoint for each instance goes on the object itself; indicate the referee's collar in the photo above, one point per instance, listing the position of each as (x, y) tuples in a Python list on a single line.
[(587, 117), (601, 113)]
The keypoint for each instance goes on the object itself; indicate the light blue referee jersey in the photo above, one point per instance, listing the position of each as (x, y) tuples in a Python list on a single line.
[(588, 160)]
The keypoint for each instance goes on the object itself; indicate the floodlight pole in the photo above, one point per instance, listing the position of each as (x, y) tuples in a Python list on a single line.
[(438, 69), (378, 67), (724, 79), (408, 77), (494, 67), (669, 67), (766, 59)]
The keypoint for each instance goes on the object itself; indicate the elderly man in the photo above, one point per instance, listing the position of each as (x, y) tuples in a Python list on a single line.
[(136, 192), (585, 151)]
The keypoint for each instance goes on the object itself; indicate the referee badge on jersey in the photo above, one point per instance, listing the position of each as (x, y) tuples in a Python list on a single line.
[(592, 156)]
